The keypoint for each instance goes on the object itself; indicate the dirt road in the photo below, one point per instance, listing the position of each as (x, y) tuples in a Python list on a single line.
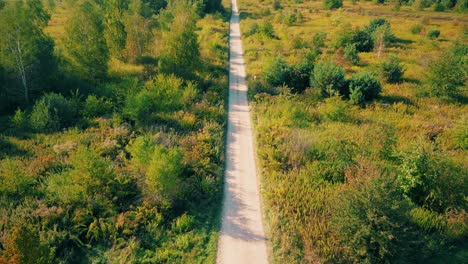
[(242, 238)]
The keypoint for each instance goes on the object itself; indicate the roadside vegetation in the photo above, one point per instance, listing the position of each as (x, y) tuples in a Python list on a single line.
[(111, 130), (361, 128)]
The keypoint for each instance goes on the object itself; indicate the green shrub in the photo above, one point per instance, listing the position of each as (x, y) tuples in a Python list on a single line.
[(439, 7), (329, 78), (253, 29), (94, 106), (66, 109), (459, 134), (416, 28), (160, 95), (141, 150), (362, 40), (334, 109), (289, 18), (332, 4), (276, 5), (343, 36), (319, 40), (44, 118), (375, 23), (267, 30), (90, 176), (277, 72), (363, 87), (433, 182), (448, 72), (164, 173), (299, 77), (183, 224), (139, 107), (392, 70), (379, 1), (299, 43), (421, 4), (433, 33), (461, 6), (20, 120), (351, 54), (371, 222)]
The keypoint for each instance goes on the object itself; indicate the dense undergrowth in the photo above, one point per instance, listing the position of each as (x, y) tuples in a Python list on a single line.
[(118, 157), (361, 136)]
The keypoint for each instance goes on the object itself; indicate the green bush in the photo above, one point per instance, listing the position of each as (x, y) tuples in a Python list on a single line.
[(139, 107), (433, 33), (289, 19), (362, 40), (67, 110), (343, 36), (332, 4), (461, 6), (363, 87), (371, 222), (299, 77), (319, 40), (392, 70), (433, 182), (90, 176), (416, 28), (44, 118), (439, 7), (329, 78), (94, 106), (141, 151), (160, 95), (183, 224), (351, 54), (278, 73), (334, 109), (267, 30), (448, 72), (276, 5), (164, 173), (20, 120), (375, 23), (253, 29)]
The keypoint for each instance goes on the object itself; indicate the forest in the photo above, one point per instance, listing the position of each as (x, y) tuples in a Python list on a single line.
[(360, 112), (112, 119)]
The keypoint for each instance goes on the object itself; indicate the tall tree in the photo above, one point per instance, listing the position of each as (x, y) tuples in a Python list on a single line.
[(180, 54), (85, 45), (26, 52), (137, 29), (114, 25)]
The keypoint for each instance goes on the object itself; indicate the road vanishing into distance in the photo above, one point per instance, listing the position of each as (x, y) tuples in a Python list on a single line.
[(242, 238)]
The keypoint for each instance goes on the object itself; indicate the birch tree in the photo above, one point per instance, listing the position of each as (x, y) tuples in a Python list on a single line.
[(85, 45), (26, 52)]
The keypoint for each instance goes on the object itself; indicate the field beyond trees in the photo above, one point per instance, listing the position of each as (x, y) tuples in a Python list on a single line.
[(112, 120), (361, 128)]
